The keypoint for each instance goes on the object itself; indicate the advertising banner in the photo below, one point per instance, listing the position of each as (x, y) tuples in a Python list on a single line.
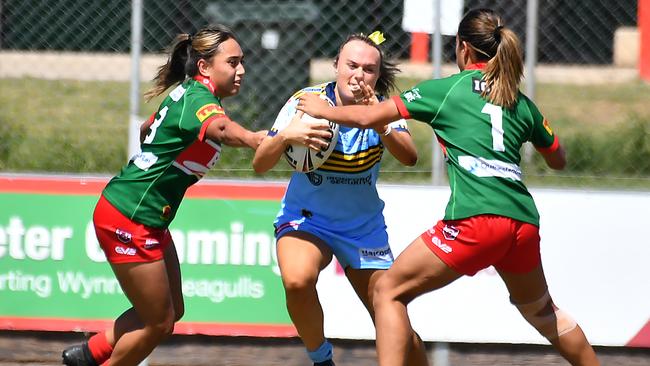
[(53, 275)]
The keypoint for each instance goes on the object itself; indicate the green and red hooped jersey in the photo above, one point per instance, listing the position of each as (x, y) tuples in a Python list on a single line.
[(481, 143), (174, 155)]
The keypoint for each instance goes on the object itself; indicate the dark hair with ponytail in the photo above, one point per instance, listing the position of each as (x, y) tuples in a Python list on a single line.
[(184, 53), (387, 68), (484, 31)]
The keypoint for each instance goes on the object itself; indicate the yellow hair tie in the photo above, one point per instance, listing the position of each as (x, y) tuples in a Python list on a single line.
[(377, 37)]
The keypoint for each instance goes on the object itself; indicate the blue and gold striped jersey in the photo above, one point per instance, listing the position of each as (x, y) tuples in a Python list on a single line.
[(342, 193)]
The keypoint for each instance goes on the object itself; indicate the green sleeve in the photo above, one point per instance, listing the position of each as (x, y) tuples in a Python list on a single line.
[(542, 135)]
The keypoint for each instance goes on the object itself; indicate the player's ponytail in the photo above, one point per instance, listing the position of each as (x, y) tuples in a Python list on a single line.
[(172, 72), (483, 30), (184, 53)]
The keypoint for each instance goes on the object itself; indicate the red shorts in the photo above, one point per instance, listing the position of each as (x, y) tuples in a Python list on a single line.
[(124, 240), (472, 244)]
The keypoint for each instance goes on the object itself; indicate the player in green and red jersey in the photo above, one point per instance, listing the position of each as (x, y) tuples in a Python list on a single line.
[(179, 144), (481, 121)]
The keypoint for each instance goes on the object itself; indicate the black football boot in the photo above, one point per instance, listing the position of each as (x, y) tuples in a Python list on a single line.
[(78, 355)]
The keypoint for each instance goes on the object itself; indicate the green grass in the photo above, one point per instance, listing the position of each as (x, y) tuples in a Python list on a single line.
[(78, 126)]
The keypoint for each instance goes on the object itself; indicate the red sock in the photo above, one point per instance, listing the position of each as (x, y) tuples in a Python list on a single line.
[(99, 348)]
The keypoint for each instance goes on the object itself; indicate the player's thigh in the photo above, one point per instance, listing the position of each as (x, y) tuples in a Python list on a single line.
[(173, 267), (521, 269), (146, 285), (301, 256), (526, 287), (363, 282), (416, 270)]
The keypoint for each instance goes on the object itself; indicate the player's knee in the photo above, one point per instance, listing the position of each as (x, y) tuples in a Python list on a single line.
[(383, 291), (298, 284), (179, 311), (165, 328), (548, 319), (161, 327)]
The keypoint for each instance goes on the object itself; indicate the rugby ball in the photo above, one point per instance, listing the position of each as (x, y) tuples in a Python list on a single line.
[(302, 158)]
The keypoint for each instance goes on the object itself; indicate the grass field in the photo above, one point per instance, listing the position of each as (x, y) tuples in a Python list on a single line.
[(79, 126)]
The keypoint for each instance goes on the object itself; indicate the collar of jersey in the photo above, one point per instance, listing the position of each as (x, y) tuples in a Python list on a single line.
[(476, 66), (329, 91), (206, 82)]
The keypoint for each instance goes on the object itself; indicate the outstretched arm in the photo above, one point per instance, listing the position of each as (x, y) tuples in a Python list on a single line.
[(232, 133), (371, 116), (398, 141), (311, 134)]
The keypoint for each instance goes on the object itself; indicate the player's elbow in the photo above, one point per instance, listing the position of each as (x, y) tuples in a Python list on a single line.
[(557, 164), (259, 167), (557, 159), (407, 158), (411, 160)]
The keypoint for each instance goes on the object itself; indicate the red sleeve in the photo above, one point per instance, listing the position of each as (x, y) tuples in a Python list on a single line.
[(401, 107), (208, 122), (554, 146)]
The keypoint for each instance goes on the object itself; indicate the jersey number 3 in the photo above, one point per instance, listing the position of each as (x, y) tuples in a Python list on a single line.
[(154, 126), (496, 119)]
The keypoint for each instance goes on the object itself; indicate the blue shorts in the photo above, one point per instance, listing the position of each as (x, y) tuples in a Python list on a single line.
[(367, 250)]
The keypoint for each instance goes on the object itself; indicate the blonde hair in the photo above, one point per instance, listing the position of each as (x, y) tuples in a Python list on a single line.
[(184, 53), (483, 30)]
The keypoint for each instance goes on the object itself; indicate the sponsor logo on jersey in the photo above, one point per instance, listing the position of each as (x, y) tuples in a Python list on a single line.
[(444, 247), (151, 243), (144, 160), (383, 253), (208, 110), (450, 232), (198, 158), (412, 94), (547, 126), (177, 93), (315, 178), (125, 251), (367, 180), (482, 167), (166, 212), (123, 236)]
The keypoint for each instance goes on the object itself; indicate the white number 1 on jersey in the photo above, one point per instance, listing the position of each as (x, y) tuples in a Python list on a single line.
[(496, 119)]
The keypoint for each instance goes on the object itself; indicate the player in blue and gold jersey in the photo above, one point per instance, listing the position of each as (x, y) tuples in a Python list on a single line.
[(336, 210)]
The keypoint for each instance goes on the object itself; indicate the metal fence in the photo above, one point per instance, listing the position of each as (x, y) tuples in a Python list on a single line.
[(65, 72)]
